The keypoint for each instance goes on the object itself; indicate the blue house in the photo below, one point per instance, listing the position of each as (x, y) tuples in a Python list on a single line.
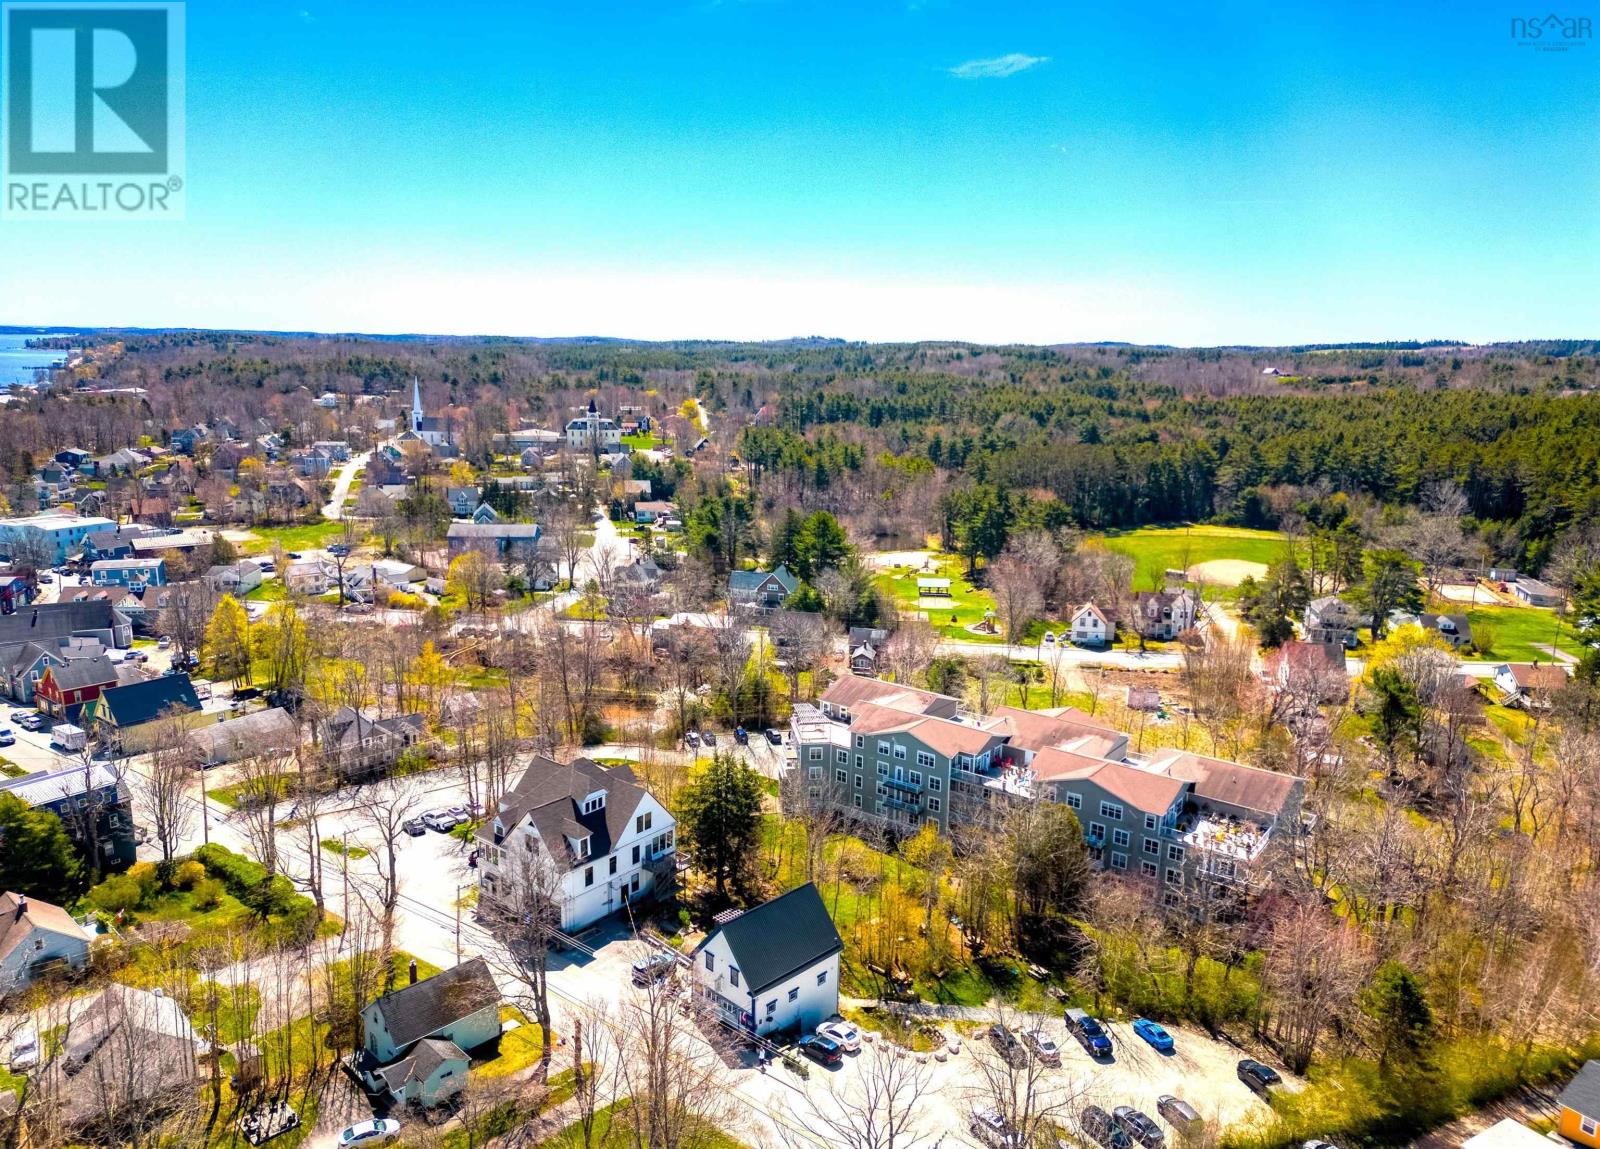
[(128, 572)]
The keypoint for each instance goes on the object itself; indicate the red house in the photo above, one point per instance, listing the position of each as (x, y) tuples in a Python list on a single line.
[(65, 690)]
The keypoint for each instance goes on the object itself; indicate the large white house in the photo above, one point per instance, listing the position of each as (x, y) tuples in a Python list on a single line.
[(594, 833), (591, 429), (774, 968)]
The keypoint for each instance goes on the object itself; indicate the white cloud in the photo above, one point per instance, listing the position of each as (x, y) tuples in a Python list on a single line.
[(997, 68)]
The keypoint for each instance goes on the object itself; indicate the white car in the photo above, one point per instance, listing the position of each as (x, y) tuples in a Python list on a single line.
[(25, 1049), (848, 1037), (370, 1133), (1049, 638), (440, 820)]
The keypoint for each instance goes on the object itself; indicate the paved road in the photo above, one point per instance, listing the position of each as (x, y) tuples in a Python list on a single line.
[(1070, 655), (344, 477)]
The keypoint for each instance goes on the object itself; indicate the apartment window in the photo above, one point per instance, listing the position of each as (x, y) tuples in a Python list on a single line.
[(636, 855), (883, 769), (733, 976), (858, 801), (899, 751), (1151, 846), (822, 977), (860, 762), (861, 743), (924, 759), (1173, 876), (1111, 810), (1120, 837), (642, 823), (933, 805), (815, 754), (935, 784), (588, 875), (841, 756), (1150, 821), (613, 863), (858, 781), (711, 961), (841, 776), (1096, 830), (1174, 853), (1148, 869), (1074, 801), (772, 1007), (1119, 861), (883, 747), (794, 994), (814, 773)]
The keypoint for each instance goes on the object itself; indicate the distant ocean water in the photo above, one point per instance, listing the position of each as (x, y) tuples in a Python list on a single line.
[(18, 361)]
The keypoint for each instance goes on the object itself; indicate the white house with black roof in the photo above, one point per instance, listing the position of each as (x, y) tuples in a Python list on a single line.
[(774, 968), (594, 833)]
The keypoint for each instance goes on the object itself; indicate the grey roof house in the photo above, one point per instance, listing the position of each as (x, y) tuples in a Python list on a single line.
[(766, 590), (416, 1040)]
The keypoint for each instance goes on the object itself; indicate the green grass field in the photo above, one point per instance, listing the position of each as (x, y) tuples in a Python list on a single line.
[(1158, 549), (304, 536), (950, 617), (1517, 630)]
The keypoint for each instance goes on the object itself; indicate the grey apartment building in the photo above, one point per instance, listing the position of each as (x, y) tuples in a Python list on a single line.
[(902, 757)]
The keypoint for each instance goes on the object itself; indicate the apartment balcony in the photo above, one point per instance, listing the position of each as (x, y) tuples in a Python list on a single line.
[(1224, 836), (911, 805), (903, 785)]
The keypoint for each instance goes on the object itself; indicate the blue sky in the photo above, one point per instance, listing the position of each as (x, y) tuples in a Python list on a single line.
[(885, 169)]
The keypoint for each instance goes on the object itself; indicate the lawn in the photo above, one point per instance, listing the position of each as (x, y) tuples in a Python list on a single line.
[(9, 769), (1516, 630), (337, 847), (1159, 549), (641, 442), (304, 536), (517, 1050), (271, 590), (612, 1130), (949, 616)]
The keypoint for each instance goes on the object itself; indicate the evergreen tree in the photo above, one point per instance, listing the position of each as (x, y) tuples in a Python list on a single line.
[(38, 858), (719, 818)]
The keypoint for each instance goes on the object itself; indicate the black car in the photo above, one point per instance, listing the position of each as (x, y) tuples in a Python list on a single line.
[(775, 737), (1139, 1126), (1089, 1032), (1097, 1123), (708, 738), (1259, 1078), (1007, 1046), (414, 827), (822, 1050)]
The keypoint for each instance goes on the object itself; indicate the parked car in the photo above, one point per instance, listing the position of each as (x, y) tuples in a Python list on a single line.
[(1089, 1032), (1152, 1032), (1049, 638), (164, 642), (740, 736), (1042, 1047), (775, 737), (848, 1037), (1260, 1079), (137, 656), (1179, 1113), (338, 549), (24, 1049), (993, 1130), (822, 1050), (1140, 1126), (1097, 1123), (7, 738), (1006, 1045), (691, 739), (1317, 1143), (46, 580), (294, 554), (708, 738), (378, 1132), (414, 827), (653, 968), (440, 820)]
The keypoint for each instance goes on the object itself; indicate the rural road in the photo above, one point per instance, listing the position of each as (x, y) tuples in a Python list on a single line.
[(342, 483)]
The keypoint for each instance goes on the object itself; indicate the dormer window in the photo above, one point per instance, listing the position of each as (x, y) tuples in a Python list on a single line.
[(580, 846), (594, 802)]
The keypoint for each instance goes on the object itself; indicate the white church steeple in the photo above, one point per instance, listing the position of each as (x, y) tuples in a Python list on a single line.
[(416, 404)]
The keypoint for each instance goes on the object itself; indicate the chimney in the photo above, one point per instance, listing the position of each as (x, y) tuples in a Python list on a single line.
[(413, 971), (22, 905)]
